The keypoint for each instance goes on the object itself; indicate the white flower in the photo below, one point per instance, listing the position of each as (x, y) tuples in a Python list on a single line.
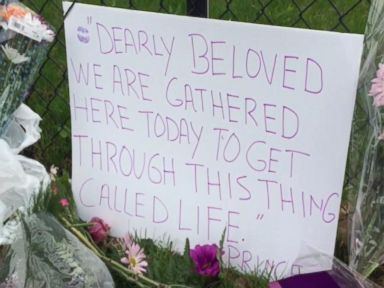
[(38, 26), (13, 55), (32, 20), (48, 34), (8, 232), (53, 172)]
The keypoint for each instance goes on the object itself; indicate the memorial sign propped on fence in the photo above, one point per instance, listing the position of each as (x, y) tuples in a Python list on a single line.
[(185, 127)]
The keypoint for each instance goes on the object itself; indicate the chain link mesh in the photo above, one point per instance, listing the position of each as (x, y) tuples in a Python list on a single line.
[(49, 95)]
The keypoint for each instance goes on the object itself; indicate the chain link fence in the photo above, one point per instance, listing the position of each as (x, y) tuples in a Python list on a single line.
[(49, 95)]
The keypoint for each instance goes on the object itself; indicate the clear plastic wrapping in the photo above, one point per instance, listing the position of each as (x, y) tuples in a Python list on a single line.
[(20, 178), (366, 156), (24, 42), (342, 275), (46, 255)]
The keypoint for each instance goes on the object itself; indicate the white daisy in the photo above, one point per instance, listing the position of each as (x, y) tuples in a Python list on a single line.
[(13, 55)]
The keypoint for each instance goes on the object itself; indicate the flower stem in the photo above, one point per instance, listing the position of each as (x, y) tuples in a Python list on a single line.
[(82, 225), (7, 76), (129, 275), (370, 269), (144, 279)]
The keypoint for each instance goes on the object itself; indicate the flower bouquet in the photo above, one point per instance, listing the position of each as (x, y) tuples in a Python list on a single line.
[(367, 153), (24, 42), (53, 246)]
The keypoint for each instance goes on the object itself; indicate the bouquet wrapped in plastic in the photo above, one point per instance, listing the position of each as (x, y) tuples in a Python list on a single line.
[(366, 157), (24, 42), (47, 255)]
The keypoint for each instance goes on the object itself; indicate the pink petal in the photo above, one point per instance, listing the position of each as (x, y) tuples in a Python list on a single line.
[(135, 249), (140, 258), (128, 240), (138, 270), (275, 285), (141, 269)]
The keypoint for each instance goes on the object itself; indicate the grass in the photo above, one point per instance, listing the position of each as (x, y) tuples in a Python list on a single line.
[(339, 15), (166, 266)]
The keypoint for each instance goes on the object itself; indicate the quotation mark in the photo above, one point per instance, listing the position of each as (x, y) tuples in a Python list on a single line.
[(89, 20), (259, 216)]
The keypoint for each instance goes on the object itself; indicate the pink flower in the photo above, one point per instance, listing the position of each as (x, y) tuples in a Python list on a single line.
[(99, 230), (274, 285), (377, 87), (135, 257), (64, 202), (128, 241), (205, 260)]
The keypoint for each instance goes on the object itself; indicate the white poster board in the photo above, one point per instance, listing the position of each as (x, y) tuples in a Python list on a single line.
[(185, 127)]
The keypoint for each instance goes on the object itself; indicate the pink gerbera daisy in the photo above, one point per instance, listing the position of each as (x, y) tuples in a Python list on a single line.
[(377, 88), (135, 257)]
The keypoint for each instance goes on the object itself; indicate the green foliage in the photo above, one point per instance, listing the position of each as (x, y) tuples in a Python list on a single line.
[(318, 14), (49, 201), (166, 268), (221, 248), (232, 278)]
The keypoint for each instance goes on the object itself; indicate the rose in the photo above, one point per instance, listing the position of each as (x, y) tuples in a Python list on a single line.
[(205, 260), (98, 229)]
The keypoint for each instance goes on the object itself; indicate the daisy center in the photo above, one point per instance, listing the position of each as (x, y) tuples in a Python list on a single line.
[(133, 262)]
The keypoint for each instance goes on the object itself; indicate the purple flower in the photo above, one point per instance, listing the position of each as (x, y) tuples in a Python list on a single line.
[(205, 260), (377, 87), (99, 229)]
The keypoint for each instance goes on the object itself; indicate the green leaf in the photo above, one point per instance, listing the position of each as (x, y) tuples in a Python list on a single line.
[(187, 248), (221, 248)]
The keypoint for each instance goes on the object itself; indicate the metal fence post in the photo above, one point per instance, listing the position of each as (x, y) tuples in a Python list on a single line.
[(198, 8)]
